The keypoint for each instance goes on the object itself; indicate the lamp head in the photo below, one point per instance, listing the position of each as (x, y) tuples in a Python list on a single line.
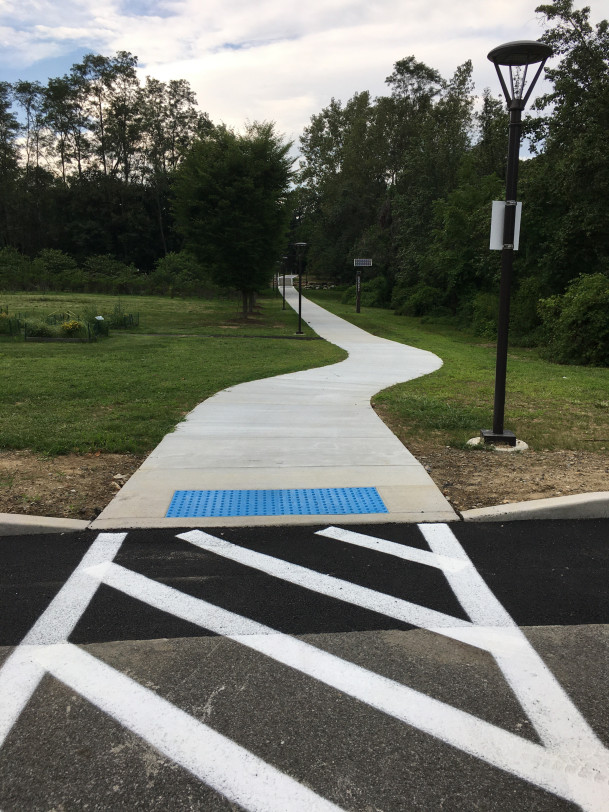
[(522, 52), (516, 56)]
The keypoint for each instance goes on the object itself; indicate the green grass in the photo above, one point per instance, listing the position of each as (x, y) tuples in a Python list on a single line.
[(125, 393), (550, 406), (164, 315)]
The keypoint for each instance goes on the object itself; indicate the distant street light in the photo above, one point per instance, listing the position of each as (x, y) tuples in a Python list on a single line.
[(284, 265), (300, 248), (358, 264), (517, 56)]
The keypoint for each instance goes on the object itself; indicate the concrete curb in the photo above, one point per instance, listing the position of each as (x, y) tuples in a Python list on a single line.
[(578, 506), (21, 525)]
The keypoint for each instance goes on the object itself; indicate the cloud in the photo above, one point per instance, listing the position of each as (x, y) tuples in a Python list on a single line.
[(272, 60)]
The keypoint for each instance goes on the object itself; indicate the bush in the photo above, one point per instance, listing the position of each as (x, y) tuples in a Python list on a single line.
[(109, 275), (576, 324), (178, 273), (419, 300), (36, 328), (524, 316), (485, 315), (55, 270), (72, 328), (15, 270), (375, 293)]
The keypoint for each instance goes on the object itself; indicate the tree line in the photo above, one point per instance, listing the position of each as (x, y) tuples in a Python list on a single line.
[(408, 178), (86, 161), (107, 183)]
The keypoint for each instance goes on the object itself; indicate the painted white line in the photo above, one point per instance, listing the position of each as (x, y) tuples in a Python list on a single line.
[(21, 674), (558, 722), (231, 770), (507, 751), (442, 562), (396, 608)]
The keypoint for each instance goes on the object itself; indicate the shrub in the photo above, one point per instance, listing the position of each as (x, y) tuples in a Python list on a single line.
[(485, 315), (15, 270), (36, 328), (524, 315), (109, 275), (576, 324), (375, 293), (420, 300), (71, 328)]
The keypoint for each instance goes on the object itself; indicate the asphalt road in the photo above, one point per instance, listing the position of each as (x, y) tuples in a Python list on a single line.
[(388, 667)]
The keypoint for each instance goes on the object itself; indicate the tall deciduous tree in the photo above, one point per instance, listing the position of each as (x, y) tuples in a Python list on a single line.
[(569, 187), (231, 204), (9, 168)]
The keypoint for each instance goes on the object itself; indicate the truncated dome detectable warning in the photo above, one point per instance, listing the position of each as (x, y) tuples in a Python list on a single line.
[(289, 502)]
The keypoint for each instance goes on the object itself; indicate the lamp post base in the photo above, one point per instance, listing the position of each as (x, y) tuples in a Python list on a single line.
[(489, 437)]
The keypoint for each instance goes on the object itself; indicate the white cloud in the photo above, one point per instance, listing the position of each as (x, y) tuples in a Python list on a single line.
[(273, 60)]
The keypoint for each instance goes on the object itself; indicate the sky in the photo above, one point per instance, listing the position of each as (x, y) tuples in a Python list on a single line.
[(271, 60)]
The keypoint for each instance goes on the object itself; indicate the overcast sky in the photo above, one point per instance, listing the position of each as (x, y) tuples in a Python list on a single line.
[(278, 60)]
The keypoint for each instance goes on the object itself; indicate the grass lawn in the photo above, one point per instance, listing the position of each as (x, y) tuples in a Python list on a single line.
[(550, 406), (123, 394), (160, 314)]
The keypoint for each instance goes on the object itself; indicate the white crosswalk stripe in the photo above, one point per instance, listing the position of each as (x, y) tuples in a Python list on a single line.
[(570, 762)]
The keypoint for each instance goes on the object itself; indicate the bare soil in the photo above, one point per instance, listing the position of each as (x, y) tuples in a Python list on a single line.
[(473, 479), (80, 486), (477, 477), (75, 486)]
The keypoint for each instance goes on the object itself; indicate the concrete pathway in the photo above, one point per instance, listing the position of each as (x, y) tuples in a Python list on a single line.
[(312, 429)]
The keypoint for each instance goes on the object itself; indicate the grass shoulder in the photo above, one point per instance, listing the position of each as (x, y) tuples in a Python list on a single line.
[(550, 406), (125, 393)]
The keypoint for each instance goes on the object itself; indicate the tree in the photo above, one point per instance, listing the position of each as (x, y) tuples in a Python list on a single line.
[(30, 95), (569, 186), (231, 204), (9, 167)]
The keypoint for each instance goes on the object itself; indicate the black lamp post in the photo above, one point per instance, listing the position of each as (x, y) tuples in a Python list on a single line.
[(300, 247), (518, 57), (284, 261)]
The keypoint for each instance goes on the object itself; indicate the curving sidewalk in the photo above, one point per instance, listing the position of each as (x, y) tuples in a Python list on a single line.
[(311, 429)]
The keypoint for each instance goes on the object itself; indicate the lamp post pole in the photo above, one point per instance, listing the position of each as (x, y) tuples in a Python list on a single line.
[(300, 247), (284, 264), (507, 262), (517, 55)]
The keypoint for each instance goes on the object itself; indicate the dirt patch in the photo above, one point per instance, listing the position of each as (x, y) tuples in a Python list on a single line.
[(472, 479), (80, 486), (75, 486), (482, 478)]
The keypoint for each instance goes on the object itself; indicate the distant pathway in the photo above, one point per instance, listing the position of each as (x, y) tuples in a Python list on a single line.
[(311, 429)]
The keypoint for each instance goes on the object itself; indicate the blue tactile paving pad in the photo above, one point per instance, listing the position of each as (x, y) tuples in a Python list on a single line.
[(290, 502)]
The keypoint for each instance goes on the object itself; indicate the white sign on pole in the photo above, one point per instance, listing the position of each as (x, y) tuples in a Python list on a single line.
[(497, 225), (362, 263)]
